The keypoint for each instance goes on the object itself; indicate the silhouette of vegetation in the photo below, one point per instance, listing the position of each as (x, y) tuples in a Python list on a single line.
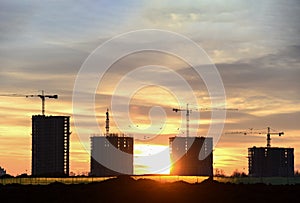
[(219, 173), (238, 174)]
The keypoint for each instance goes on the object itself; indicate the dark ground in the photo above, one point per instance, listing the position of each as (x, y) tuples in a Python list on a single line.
[(125, 189)]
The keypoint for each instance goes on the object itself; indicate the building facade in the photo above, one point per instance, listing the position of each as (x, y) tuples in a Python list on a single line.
[(50, 145), (271, 162), (111, 155), (191, 156)]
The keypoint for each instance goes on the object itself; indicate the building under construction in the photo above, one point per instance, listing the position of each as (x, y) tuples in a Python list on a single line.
[(271, 162), (191, 156), (111, 155), (50, 145)]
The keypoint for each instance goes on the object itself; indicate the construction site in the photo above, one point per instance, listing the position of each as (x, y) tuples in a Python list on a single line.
[(149, 101), (50, 142), (271, 161), (113, 154)]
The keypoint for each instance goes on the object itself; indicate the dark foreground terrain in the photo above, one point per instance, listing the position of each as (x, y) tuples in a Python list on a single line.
[(125, 189)]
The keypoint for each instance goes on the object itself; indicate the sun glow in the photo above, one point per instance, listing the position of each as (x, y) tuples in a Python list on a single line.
[(151, 159)]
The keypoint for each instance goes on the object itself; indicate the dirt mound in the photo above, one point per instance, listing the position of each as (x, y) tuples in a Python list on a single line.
[(125, 189)]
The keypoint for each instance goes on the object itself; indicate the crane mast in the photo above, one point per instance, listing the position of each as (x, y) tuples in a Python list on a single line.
[(187, 120), (188, 111), (269, 136), (41, 96), (187, 117), (107, 123), (269, 133)]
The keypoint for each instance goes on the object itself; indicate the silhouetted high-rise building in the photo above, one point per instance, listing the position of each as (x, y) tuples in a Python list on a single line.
[(191, 156), (50, 145), (111, 152), (271, 162)]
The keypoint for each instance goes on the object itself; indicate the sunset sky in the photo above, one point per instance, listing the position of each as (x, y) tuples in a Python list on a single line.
[(255, 46)]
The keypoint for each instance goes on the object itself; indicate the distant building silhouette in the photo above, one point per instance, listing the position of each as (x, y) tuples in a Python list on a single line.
[(2, 171), (50, 145), (107, 151), (191, 156), (271, 162)]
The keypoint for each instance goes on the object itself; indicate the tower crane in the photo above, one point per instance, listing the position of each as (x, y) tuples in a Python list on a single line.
[(107, 122), (42, 96), (188, 112), (269, 133)]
